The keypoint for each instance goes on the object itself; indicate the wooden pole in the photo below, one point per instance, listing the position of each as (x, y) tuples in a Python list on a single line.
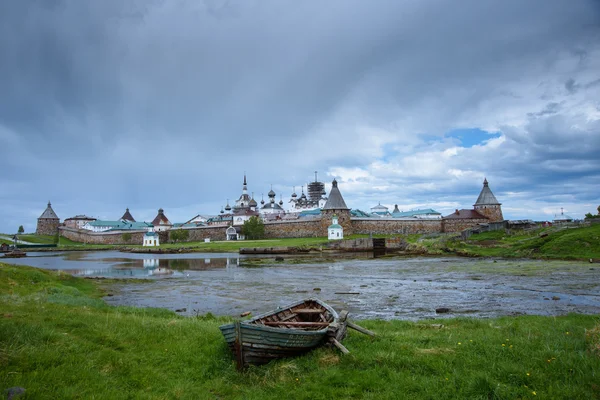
[(340, 346), (360, 329)]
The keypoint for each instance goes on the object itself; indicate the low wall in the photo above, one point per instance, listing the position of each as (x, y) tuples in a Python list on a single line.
[(395, 226), (88, 237), (293, 229), (458, 225), (206, 232)]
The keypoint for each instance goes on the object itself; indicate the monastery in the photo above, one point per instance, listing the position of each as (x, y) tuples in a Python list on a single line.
[(306, 216)]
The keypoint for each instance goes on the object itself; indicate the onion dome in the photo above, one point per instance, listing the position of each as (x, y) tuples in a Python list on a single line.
[(294, 195), (271, 192), (252, 202), (280, 200), (263, 200), (222, 212), (227, 207)]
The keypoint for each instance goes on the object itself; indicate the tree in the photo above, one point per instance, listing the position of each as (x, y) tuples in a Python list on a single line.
[(21, 229), (177, 235), (126, 237), (253, 228), (598, 210)]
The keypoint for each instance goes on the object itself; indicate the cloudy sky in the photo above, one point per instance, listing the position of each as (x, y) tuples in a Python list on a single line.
[(146, 104)]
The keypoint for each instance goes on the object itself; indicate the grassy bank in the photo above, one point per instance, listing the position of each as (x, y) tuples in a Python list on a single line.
[(551, 243), (547, 243), (58, 339)]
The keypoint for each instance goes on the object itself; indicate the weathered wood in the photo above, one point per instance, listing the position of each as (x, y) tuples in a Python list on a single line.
[(307, 311), (340, 346), (343, 315), (293, 323), (289, 317), (360, 329), (239, 348), (341, 332)]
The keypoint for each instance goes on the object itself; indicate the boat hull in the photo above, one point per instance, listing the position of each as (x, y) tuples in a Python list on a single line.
[(254, 343)]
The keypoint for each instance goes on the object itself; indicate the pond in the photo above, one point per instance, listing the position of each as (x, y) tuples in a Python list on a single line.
[(386, 288)]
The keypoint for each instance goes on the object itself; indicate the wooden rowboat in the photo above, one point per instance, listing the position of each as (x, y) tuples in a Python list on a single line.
[(286, 332)]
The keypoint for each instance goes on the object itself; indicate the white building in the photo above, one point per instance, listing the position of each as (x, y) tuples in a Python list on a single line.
[(151, 239), (335, 231)]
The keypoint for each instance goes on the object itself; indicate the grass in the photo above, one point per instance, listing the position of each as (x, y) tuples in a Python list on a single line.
[(58, 339), (548, 243)]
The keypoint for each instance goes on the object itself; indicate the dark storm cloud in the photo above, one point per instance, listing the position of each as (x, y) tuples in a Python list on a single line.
[(110, 104)]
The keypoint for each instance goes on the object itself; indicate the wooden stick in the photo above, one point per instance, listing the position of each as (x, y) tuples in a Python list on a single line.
[(277, 323), (307, 311), (360, 329), (340, 346)]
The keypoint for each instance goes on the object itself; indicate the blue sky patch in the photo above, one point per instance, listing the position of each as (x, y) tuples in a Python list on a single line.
[(472, 136)]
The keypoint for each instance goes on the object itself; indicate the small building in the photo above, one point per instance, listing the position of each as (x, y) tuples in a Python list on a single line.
[(335, 230), (151, 238), (161, 222), (234, 233), (561, 218), (78, 221), (48, 222), (380, 210), (427, 213)]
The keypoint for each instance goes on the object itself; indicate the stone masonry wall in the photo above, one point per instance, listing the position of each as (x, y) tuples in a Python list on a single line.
[(493, 212), (458, 225), (214, 233), (294, 229), (395, 226), (47, 226), (88, 237)]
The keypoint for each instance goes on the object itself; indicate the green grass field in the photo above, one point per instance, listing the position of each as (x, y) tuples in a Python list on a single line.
[(58, 339), (572, 243)]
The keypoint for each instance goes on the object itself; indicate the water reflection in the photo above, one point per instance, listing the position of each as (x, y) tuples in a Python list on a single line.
[(155, 267)]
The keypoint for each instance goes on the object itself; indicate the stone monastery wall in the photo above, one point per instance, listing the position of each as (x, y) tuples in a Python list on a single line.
[(395, 226), (285, 229), (294, 229), (88, 237), (458, 225)]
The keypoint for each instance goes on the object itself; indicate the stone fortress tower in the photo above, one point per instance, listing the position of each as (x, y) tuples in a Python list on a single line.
[(48, 222), (336, 206), (488, 205)]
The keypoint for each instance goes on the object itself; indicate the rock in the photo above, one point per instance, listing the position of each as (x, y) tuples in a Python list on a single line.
[(181, 310), (442, 310), (14, 392), (555, 298), (317, 289), (109, 294), (245, 314), (279, 259)]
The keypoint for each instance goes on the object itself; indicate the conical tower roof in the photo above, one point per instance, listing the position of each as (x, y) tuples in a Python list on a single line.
[(335, 200), (49, 213), (127, 216), (486, 197)]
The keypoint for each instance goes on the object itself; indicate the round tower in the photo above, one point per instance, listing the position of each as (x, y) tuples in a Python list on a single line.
[(336, 206), (488, 205), (48, 222)]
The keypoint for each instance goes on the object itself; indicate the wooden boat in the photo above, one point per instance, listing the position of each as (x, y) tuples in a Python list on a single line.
[(286, 332)]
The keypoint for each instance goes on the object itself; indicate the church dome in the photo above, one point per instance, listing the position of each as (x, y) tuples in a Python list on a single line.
[(252, 202)]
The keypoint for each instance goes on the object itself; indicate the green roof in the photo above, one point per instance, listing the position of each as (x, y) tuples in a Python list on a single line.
[(335, 226)]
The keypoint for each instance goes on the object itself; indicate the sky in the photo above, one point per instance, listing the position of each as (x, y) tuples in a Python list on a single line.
[(153, 104)]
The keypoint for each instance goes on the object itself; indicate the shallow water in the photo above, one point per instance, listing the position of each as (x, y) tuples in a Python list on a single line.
[(386, 288)]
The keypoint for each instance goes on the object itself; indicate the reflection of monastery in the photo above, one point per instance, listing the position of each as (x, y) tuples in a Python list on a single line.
[(309, 214)]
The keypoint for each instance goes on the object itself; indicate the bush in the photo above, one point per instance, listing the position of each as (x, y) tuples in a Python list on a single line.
[(126, 237), (254, 228), (179, 235)]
